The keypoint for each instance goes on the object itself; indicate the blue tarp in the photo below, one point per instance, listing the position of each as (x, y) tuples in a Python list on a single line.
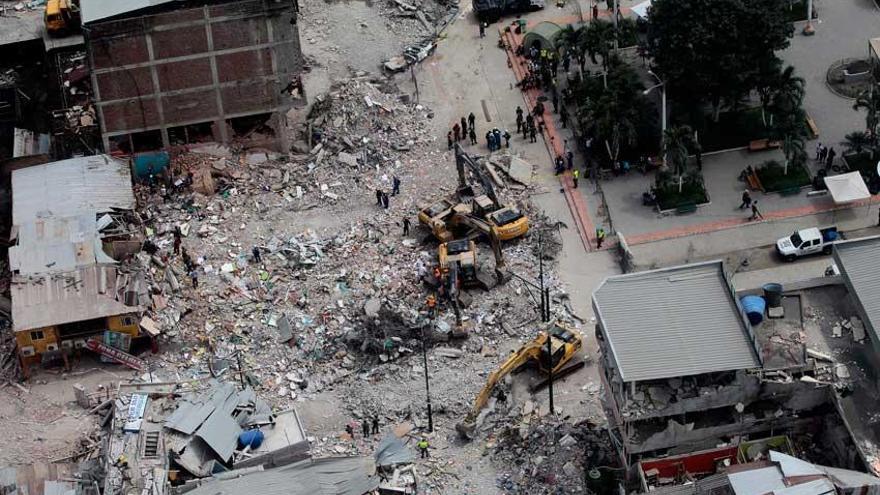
[(143, 162)]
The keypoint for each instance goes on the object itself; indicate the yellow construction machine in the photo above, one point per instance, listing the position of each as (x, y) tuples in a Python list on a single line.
[(61, 16), (565, 342), (473, 213)]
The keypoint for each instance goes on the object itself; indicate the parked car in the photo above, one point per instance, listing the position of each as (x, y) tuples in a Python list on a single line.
[(492, 10), (807, 241)]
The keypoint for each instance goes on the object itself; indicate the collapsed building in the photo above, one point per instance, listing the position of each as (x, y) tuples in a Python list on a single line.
[(68, 217), (171, 72), (685, 369), (752, 468)]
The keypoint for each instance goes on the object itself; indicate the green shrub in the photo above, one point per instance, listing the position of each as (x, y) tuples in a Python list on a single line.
[(773, 177)]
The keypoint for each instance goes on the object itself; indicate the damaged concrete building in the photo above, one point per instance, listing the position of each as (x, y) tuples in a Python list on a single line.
[(684, 369), (65, 287), (180, 72)]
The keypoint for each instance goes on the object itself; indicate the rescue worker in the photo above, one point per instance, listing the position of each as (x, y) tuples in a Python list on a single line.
[(423, 447), (600, 237), (574, 177)]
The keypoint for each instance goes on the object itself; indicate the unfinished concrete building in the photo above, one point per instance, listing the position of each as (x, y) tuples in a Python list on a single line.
[(683, 368), (178, 72)]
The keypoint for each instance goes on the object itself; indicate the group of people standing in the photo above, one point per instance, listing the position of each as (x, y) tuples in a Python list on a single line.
[(825, 155), (382, 198), (465, 129)]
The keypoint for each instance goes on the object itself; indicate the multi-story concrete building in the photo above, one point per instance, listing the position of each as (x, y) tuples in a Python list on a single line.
[(175, 72)]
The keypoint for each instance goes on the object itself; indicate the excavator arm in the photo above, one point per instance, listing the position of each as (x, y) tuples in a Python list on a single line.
[(526, 353), (462, 159)]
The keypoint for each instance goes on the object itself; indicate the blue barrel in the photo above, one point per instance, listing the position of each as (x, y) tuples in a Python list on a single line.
[(754, 308), (251, 438), (773, 295)]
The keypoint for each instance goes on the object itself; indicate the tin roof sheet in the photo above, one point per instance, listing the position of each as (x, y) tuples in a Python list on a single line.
[(673, 322)]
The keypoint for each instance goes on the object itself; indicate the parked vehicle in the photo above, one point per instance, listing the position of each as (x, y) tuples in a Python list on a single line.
[(808, 241), (492, 10)]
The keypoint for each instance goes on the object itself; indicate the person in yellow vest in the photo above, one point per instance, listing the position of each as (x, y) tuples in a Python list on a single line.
[(574, 177), (600, 237), (423, 447)]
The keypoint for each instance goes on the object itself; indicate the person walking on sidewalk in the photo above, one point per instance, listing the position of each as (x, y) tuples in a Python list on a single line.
[(464, 128), (574, 177), (423, 447), (472, 119), (472, 133), (600, 237), (818, 151), (507, 137), (456, 132), (746, 200), (533, 134), (519, 120), (756, 214)]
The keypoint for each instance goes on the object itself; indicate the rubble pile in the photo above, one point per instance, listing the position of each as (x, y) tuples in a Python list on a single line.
[(551, 456), (336, 290)]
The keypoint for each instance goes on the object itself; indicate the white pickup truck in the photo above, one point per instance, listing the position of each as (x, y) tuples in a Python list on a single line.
[(807, 241)]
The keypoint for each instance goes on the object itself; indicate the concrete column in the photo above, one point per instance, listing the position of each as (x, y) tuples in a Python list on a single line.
[(220, 121)]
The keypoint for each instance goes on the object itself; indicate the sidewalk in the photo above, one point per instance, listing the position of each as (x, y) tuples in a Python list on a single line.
[(623, 195)]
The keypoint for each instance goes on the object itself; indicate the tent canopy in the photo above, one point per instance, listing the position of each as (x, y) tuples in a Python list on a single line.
[(641, 9), (545, 33), (846, 188)]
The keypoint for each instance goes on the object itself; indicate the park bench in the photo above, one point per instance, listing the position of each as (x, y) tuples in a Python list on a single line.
[(790, 191), (814, 130), (686, 208), (763, 144)]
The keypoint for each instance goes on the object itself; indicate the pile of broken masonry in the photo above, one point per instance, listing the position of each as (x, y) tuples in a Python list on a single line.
[(337, 289)]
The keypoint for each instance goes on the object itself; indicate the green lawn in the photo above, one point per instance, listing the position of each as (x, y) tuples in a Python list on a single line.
[(733, 130), (669, 198), (774, 179)]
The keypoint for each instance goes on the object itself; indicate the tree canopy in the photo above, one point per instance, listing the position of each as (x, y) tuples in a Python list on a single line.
[(712, 51)]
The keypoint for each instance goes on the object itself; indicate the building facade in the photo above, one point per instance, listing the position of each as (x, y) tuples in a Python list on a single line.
[(166, 73)]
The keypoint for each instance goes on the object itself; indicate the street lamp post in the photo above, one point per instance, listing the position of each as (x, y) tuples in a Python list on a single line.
[(427, 383), (663, 117)]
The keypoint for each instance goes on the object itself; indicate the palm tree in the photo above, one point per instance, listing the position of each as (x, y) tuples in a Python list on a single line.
[(789, 87), (870, 101), (676, 142), (568, 40), (768, 74), (597, 39), (857, 141), (793, 149)]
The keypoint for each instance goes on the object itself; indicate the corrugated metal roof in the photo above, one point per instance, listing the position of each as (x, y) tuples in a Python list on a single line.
[(57, 245), (859, 263), (327, 476), (815, 487), (54, 299), (95, 10), (672, 322), (756, 481), (89, 184)]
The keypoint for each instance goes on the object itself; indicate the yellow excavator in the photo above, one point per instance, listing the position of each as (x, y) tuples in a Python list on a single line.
[(565, 342), (458, 265), (477, 214)]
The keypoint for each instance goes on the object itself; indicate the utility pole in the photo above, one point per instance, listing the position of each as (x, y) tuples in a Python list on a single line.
[(545, 317), (425, 364), (616, 14)]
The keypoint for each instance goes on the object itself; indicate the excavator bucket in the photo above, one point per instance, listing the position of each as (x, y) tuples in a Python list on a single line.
[(466, 429)]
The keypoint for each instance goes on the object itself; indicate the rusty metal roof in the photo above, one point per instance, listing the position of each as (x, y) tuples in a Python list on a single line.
[(55, 299)]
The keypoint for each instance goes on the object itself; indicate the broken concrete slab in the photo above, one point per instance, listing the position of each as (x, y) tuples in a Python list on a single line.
[(448, 352), (520, 170), (347, 158)]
